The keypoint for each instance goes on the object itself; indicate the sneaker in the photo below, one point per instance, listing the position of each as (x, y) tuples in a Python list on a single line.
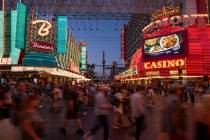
[(88, 136), (84, 113), (80, 131), (63, 131), (40, 106), (115, 127)]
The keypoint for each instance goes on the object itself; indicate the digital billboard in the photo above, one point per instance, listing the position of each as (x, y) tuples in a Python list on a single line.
[(169, 45)]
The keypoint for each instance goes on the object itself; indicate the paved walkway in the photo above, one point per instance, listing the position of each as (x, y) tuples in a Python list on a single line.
[(55, 121)]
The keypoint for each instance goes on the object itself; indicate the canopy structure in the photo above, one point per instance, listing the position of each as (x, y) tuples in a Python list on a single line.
[(53, 71), (100, 9)]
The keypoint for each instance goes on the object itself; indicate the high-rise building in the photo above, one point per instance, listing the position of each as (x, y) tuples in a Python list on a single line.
[(133, 35)]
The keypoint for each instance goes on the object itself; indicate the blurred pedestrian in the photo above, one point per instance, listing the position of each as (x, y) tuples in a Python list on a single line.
[(102, 107), (138, 110), (202, 119), (118, 109), (7, 130), (174, 115), (18, 100), (31, 123), (72, 111), (57, 97)]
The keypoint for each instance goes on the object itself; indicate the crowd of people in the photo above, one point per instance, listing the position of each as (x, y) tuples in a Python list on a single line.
[(128, 103)]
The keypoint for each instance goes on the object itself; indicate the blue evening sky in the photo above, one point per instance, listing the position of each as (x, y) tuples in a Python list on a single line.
[(107, 39)]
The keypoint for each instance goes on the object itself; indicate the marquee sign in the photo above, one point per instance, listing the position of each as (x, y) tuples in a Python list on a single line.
[(184, 20), (164, 64), (44, 28)]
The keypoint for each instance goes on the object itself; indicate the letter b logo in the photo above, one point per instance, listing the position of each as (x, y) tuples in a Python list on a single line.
[(45, 27)]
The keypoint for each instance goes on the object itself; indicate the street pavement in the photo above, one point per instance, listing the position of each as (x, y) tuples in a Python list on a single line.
[(54, 122)]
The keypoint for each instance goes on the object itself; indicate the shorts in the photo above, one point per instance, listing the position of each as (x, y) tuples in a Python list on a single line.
[(71, 115)]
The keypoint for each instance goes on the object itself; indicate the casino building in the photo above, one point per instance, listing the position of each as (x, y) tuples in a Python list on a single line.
[(33, 44), (174, 46)]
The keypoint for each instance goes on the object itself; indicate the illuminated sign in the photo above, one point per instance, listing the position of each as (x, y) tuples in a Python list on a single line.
[(164, 64), (5, 61), (44, 28), (83, 58), (165, 12), (131, 71), (200, 19), (42, 46), (175, 72), (153, 73)]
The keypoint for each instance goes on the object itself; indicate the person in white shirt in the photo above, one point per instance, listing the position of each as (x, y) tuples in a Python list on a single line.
[(102, 108), (118, 109), (138, 109)]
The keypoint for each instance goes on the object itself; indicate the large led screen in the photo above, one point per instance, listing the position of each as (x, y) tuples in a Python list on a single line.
[(165, 46)]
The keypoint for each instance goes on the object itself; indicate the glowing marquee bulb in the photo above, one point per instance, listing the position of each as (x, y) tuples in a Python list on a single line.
[(45, 27)]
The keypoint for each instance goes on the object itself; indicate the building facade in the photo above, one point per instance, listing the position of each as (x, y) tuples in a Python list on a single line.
[(132, 35), (32, 42)]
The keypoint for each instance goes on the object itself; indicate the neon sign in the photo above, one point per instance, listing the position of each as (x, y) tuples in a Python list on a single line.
[(5, 61), (164, 64), (45, 27), (186, 20), (83, 58), (42, 46), (165, 12)]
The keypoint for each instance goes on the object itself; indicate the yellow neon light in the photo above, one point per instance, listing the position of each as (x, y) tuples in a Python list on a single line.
[(45, 27), (164, 64)]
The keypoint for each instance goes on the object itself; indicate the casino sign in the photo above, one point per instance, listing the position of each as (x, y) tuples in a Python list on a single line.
[(175, 63), (41, 35)]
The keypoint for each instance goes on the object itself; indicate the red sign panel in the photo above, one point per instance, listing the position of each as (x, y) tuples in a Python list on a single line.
[(42, 46)]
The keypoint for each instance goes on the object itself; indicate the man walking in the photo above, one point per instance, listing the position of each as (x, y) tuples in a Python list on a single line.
[(102, 108), (138, 109)]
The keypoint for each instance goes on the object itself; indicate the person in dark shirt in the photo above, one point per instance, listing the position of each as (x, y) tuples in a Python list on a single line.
[(72, 111), (18, 99)]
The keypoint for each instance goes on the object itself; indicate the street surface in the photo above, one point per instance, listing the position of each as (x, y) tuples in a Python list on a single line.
[(55, 121)]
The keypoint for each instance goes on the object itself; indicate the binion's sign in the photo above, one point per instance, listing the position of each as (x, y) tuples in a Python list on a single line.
[(177, 20), (45, 27), (42, 46), (41, 36), (164, 64)]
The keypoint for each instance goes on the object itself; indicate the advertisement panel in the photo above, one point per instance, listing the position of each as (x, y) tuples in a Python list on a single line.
[(169, 45)]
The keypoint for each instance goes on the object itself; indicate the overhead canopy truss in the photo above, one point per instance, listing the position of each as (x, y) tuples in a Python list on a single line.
[(101, 9)]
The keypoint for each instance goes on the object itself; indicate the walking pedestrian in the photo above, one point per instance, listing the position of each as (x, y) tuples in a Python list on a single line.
[(31, 123), (72, 111), (102, 108), (138, 110), (174, 115)]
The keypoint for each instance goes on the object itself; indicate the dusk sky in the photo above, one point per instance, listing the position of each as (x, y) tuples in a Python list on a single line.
[(107, 39)]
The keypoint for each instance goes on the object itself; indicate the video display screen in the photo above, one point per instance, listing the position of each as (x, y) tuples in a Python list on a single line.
[(165, 46)]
